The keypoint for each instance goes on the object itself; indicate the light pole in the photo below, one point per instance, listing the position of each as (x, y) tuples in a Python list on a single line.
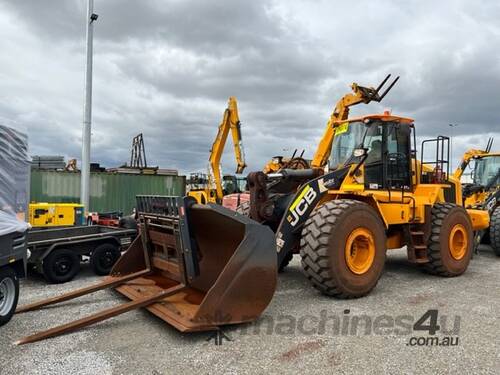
[(87, 110), (452, 126)]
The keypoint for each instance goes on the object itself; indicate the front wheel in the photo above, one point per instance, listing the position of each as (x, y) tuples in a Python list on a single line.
[(9, 294), (343, 248)]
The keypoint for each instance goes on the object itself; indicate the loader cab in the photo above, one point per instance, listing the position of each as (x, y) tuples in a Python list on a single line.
[(386, 145), (487, 171)]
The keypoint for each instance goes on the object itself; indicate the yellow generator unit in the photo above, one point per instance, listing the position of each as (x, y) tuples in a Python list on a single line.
[(56, 214)]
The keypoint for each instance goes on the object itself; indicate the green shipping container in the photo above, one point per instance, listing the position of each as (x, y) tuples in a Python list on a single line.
[(108, 191)]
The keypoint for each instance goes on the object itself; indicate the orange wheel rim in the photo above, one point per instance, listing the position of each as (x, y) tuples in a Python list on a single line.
[(458, 242), (360, 250)]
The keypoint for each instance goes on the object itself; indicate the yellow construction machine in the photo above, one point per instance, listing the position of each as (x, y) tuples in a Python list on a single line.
[(280, 162), (209, 188), (366, 192), (484, 191)]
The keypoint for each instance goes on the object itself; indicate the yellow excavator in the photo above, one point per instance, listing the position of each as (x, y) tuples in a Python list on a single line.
[(209, 188), (484, 191)]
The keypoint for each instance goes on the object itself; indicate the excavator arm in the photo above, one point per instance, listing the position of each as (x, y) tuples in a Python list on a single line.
[(230, 122), (360, 94)]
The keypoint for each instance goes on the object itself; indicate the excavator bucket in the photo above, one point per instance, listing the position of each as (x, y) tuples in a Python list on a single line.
[(195, 266)]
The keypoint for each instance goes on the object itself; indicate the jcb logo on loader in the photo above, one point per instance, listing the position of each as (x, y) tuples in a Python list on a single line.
[(301, 204)]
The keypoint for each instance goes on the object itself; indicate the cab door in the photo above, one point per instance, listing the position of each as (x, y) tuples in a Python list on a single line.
[(387, 165), (397, 157)]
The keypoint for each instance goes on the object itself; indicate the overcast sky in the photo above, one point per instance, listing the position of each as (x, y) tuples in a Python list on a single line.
[(167, 68)]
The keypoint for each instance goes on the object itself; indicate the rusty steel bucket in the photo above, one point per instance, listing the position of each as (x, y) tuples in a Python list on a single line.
[(197, 267), (224, 259)]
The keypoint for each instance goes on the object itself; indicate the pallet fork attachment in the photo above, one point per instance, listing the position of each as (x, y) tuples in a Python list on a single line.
[(184, 270)]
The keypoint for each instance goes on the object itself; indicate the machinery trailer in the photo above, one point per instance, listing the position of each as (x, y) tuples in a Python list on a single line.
[(57, 253)]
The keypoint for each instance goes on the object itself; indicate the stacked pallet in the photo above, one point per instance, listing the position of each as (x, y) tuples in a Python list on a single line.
[(47, 162)]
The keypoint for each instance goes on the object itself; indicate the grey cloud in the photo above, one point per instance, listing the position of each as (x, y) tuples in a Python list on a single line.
[(166, 68)]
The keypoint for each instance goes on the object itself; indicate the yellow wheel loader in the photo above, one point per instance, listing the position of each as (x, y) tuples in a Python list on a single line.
[(484, 191), (375, 196), (366, 192)]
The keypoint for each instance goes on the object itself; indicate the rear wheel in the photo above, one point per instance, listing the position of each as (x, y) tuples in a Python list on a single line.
[(343, 248), (495, 231), (451, 241), (103, 258), (60, 266), (9, 294)]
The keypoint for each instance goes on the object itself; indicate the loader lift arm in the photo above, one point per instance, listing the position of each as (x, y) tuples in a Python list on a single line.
[(359, 95), (230, 122)]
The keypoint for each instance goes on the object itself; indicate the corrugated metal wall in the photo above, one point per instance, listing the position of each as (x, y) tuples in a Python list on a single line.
[(108, 191)]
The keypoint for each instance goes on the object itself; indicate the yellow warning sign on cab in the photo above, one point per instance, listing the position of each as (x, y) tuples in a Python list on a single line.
[(342, 128)]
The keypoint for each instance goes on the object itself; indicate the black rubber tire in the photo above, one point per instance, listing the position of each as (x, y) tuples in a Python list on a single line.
[(495, 230), (322, 248), (8, 279), (244, 209), (444, 217), (61, 266), (103, 258)]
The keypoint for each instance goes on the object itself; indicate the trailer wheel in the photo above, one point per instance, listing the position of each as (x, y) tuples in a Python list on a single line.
[(60, 266), (9, 294), (495, 231), (343, 248), (103, 258), (450, 245)]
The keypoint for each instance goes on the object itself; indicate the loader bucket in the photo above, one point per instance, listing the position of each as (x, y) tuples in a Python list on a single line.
[(195, 266), (226, 261)]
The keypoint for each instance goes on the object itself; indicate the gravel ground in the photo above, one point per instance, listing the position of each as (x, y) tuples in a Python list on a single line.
[(291, 337)]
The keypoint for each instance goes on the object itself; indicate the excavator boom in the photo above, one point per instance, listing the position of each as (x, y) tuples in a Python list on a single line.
[(230, 122)]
